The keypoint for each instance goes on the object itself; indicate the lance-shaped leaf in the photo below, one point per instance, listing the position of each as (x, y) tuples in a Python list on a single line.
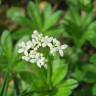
[(5, 85), (6, 44), (65, 89), (18, 16), (35, 15), (59, 71)]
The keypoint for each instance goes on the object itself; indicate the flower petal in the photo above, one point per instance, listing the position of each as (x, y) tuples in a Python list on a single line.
[(61, 53)]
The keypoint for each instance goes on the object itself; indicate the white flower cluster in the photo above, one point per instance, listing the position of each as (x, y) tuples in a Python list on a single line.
[(30, 48)]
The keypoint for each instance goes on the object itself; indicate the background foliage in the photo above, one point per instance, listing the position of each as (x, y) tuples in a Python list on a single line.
[(71, 21)]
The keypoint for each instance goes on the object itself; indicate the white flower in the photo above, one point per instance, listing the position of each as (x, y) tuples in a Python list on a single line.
[(26, 58), (30, 48), (58, 49), (32, 60), (36, 39), (61, 48), (36, 57), (56, 42), (47, 41), (40, 60), (32, 54), (36, 36), (53, 50), (24, 47)]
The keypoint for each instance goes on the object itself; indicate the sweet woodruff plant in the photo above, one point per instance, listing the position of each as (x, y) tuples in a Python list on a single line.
[(30, 49)]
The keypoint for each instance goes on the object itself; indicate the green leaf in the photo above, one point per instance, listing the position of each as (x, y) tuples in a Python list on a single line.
[(65, 89), (91, 37), (21, 32), (6, 43), (18, 15), (47, 11), (14, 12), (86, 20), (58, 69), (70, 83), (94, 90), (16, 55), (84, 5), (52, 20), (0, 1), (76, 26), (91, 34), (35, 15), (54, 32), (4, 85), (37, 77), (2, 58), (89, 73), (93, 59), (21, 67), (79, 74), (17, 82)]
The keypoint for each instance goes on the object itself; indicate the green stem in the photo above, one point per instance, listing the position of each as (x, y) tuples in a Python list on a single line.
[(49, 73), (16, 85), (5, 85)]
